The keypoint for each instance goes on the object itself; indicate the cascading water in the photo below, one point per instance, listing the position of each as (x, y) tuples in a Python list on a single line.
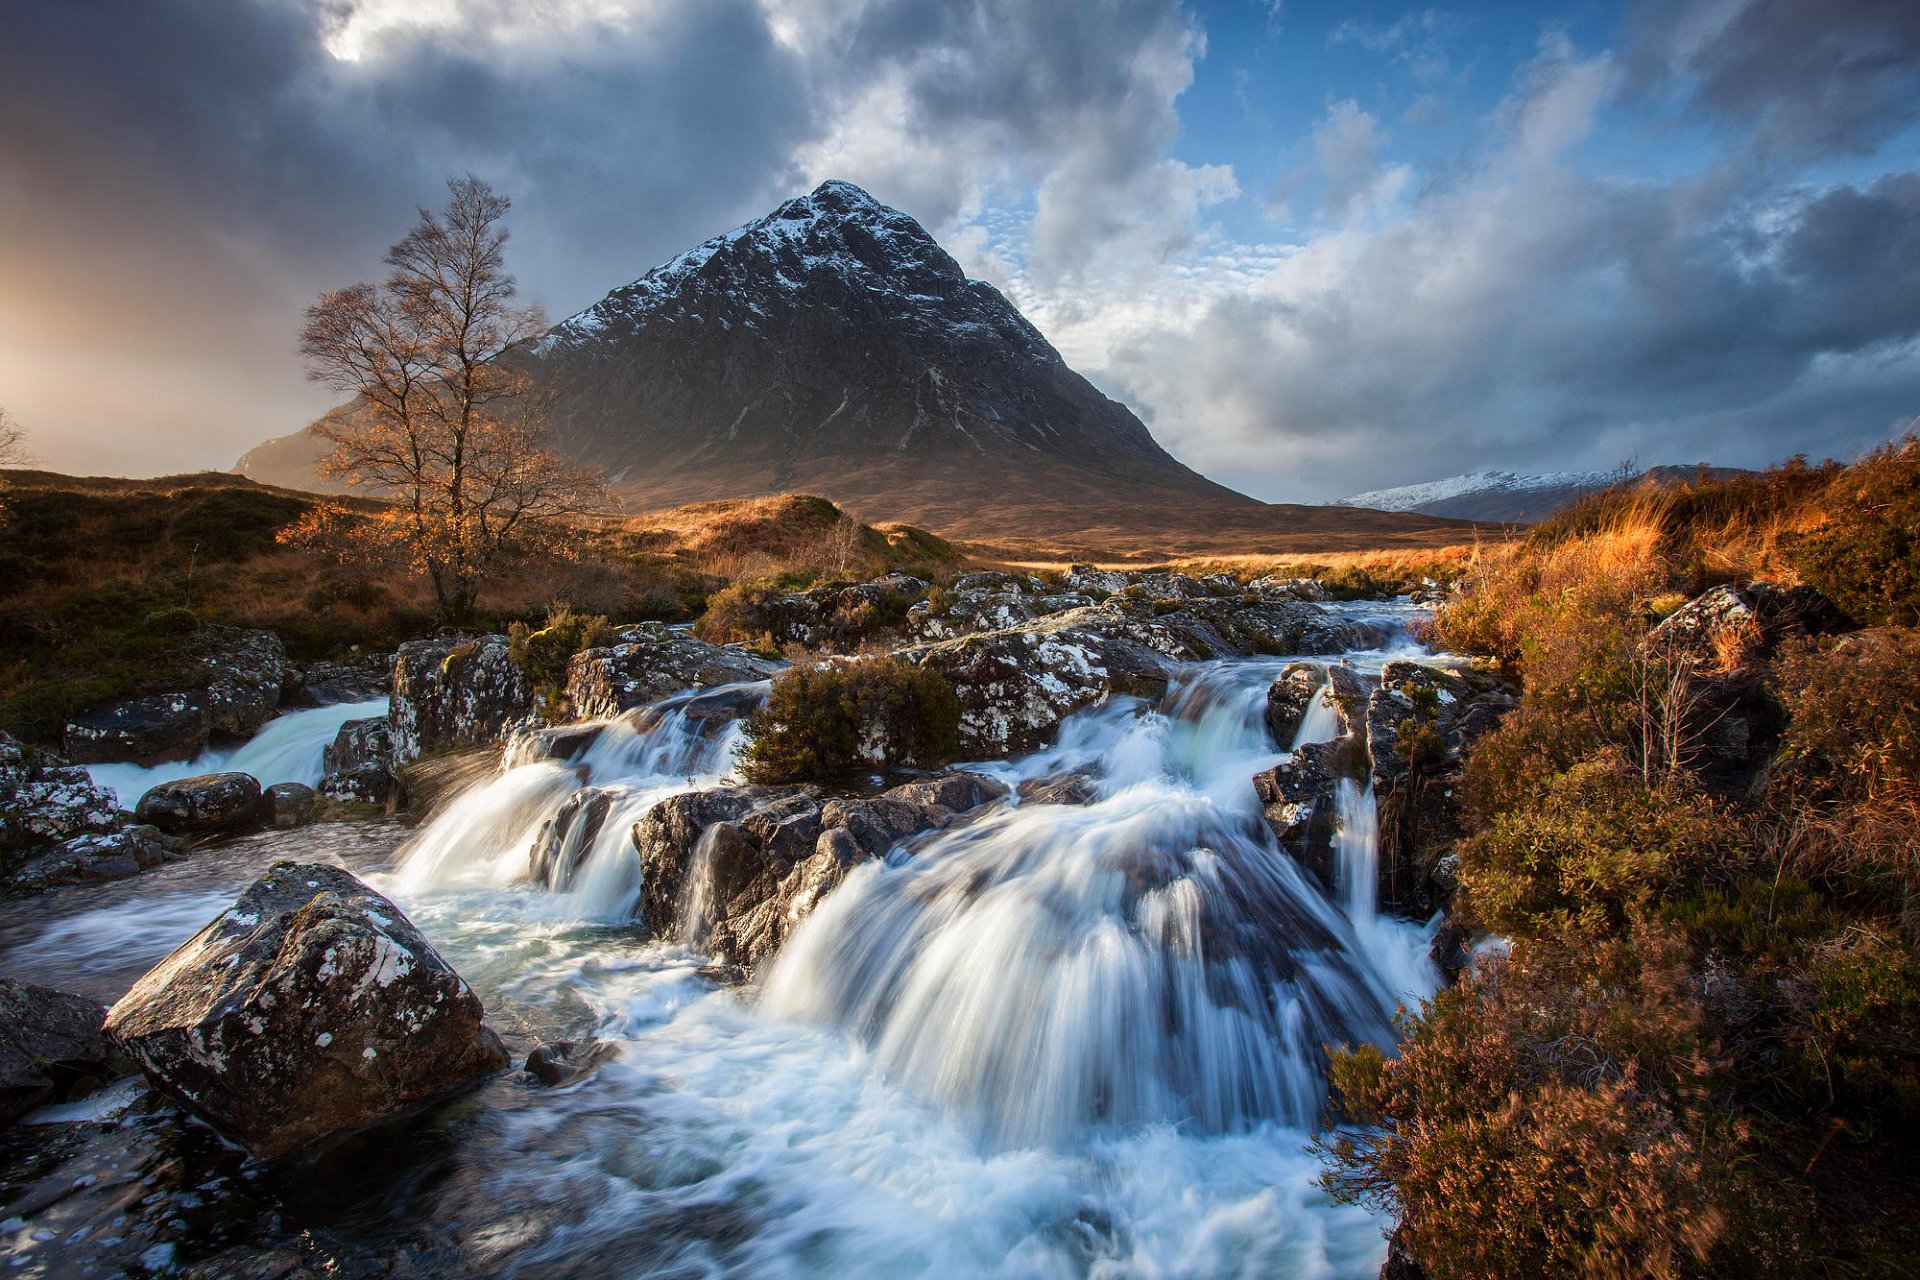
[(288, 748), (1054, 1040), (1052, 971)]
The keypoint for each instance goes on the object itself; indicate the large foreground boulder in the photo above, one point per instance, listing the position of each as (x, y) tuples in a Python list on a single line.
[(650, 663), (310, 1007), (52, 1048), (736, 869), (455, 691), (209, 804)]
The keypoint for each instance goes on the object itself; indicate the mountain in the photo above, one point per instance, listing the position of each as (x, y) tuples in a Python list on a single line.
[(1512, 498), (833, 347)]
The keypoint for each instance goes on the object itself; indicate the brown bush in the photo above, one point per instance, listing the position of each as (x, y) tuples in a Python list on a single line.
[(826, 719)]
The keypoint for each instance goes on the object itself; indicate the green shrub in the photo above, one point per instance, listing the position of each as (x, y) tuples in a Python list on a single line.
[(739, 614), (544, 654), (173, 622), (827, 719)]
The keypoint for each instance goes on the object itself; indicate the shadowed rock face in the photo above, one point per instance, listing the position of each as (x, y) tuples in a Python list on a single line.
[(310, 1007), (52, 1047)]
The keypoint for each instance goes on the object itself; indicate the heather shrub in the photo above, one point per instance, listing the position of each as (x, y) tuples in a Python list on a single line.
[(1865, 553), (825, 719), (1599, 846), (739, 613)]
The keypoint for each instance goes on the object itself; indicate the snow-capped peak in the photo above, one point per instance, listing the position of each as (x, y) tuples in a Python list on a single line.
[(1411, 497)]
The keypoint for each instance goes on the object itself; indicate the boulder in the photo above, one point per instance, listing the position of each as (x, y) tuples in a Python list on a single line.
[(650, 663), (1400, 1263), (1289, 698), (1299, 797), (1420, 723), (358, 762), (565, 1061), (1727, 627), (1098, 583), (454, 691), (326, 684), (246, 671), (146, 730), (1064, 788), (287, 804), (311, 1007), (44, 801), (52, 1048), (96, 858), (558, 742), (1016, 686), (842, 617), (208, 804), (565, 839), (738, 868)]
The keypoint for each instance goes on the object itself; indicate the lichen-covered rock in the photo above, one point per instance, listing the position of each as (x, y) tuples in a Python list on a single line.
[(842, 617), (326, 684), (737, 868), (310, 1007), (44, 800), (1726, 627), (246, 671), (650, 663), (1099, 583), (208, 804), (1420, 723), (95, 858), (455, 692), (1016, 686), (358, 763), (52, 1048), (285, 805), (147, 730), (1289, 698), (1300, 799)]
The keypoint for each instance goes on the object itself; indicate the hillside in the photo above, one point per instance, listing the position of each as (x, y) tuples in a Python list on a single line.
[(833, 347)]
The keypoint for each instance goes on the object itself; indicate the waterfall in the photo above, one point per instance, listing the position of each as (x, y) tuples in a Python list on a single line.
[(1357, 851), (578, 813), (1050, 971), (288, 748)]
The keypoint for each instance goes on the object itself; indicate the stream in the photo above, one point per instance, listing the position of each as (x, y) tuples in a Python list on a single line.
[(1048, 1041)]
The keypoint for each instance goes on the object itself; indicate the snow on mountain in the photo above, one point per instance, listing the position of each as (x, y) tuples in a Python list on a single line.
[(1418, 497)]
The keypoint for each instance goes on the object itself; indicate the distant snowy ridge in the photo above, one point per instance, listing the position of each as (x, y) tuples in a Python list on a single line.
[(1413, 497)]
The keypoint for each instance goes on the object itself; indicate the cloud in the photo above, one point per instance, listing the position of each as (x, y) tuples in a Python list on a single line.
[(1537, 315), (1800, 77)]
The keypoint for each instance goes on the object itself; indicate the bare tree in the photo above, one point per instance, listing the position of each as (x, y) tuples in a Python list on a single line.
[(441, 423), (13, 442)]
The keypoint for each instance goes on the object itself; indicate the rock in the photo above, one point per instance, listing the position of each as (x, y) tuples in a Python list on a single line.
[(565, 839), (1727, 627), (208, 804), (1451, 949), (651, 663), (247, 1262), (1400, 1264), (96, 858), (454, 692), (1300, 799), (286, 805), (310, 1007), (52, 1048), (327, 684), (564, 1061), (246, 669), (358, 763), (147, 730), (739, 867), (45, 800), (1099, 583), (1420, 723), (1065, 788), (561, 742), (1289, 697), (1016, 686), (842, 618)]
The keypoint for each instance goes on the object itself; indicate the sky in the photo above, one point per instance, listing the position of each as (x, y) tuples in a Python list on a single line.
[(1318, 247)]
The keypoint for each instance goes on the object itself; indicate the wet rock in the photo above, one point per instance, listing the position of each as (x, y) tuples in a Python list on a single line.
[(649, 664), (208, 804), (96, 858), (1451, 949), (1420, 723), (1065, 788), (327, 684), (1289, 698), (286, 805), (738, 868), (246, 670), (565, 1061), (146, 730), (52, 1048), (561, 742), (358, 762), (44, 800), (565, 839), (310, 1007), (246, 1262), (451, 692), (1016, 686), (1300, 799)]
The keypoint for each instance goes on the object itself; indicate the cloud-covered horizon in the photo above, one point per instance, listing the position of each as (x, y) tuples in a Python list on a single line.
[(1317, 252)]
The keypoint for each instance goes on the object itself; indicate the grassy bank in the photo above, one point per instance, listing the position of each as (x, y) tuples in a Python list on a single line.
[(1702, 841)]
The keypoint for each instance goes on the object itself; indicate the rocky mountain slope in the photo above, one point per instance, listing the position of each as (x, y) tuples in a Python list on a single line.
[(1510, 497), (833, 347)]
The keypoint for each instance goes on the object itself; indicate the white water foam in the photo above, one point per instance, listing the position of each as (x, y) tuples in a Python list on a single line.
[(288, 748)]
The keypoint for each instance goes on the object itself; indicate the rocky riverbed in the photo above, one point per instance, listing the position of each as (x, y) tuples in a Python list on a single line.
[(1055, 1011)]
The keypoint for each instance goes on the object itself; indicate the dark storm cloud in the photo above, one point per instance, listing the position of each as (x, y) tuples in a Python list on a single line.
[(1802, 76)]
